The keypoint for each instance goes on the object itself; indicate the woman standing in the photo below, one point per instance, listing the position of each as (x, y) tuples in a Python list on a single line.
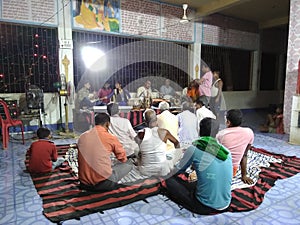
[(216, 94)]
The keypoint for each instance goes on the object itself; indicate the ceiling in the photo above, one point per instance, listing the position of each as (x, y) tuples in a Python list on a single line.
[(267, 13)]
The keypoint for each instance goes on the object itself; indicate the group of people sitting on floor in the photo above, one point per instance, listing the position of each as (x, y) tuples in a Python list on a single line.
[(167, 146)]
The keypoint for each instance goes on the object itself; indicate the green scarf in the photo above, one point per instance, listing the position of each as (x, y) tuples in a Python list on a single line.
[(210, 145)]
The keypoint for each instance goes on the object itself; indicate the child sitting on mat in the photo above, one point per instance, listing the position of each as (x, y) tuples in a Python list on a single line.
[(43, 153)]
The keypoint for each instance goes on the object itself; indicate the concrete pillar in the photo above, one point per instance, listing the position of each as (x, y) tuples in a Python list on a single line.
[(195, 54), (295, 121), (65, 55), (255, 69), (293, 56), (195, 61)]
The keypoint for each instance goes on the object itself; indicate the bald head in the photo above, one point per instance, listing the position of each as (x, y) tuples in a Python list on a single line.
[(150, 117)]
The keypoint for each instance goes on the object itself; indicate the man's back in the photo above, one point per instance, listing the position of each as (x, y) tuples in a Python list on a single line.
[(152, 154), (94, 149), (213, 177), (122, 128), (169, 122), (236, 139), (188, 127), (42, 153)]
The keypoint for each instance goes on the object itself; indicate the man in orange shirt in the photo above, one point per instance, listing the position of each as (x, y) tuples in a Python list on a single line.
[(95, 148)]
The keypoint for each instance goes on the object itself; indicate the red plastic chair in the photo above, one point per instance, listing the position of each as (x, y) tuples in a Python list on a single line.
[(8, 122)]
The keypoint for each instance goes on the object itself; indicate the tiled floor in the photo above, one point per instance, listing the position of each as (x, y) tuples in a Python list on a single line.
[(20, 203)]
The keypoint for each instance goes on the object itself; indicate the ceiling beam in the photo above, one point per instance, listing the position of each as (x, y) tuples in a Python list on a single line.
[(215, 6), (274, 22)]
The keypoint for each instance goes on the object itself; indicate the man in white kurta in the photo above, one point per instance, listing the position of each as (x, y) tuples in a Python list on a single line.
[(203, 112), (122, 129), (188, 125), (168, 121)]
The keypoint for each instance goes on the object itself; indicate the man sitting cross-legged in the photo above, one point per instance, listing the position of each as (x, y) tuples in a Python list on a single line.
[(43, 153), (122, 129), (168, 121), (153, 159), (238, 140), (188, 125), (95, 146), (213, 166)]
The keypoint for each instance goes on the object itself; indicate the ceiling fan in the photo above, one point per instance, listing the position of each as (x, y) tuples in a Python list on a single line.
[(192, 17), (184, 18)]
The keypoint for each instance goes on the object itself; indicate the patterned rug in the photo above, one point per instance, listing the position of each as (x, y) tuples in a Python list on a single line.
[(64, 200)]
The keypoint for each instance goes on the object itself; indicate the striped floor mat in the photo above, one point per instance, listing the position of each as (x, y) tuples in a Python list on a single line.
[(64, 200)]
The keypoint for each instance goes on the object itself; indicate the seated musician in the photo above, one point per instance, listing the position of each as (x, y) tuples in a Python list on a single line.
[(167, 89)]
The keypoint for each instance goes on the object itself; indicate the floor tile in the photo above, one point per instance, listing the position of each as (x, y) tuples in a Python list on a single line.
[(220, 219), (27, 196), (20, 203), (146, 213), (7, 214), (28, 209), (287, 214), (238, 215), (33, 220), (7, 199), (284, 188), (259, 219)]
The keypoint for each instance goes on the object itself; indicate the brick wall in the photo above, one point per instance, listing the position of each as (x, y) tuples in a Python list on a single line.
[(154, 20)]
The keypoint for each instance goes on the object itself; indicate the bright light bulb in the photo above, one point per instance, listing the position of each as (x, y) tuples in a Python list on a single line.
[(91, 58)]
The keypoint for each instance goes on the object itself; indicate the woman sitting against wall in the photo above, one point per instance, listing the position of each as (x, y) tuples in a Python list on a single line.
[(274, 122)]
